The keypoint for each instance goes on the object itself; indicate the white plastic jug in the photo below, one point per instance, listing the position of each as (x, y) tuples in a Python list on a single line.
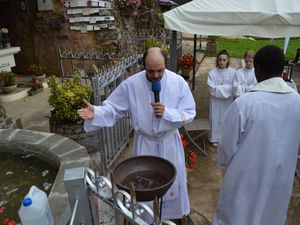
[(35, 209)]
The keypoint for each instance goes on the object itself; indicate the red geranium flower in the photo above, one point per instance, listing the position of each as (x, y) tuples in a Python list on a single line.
[(190, 156), (186, 62), (6, 221)]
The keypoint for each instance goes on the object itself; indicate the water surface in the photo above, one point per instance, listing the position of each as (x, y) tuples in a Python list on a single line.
[(17, 174)]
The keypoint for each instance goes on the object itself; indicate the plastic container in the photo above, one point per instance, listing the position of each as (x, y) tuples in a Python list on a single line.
[(35, 209)]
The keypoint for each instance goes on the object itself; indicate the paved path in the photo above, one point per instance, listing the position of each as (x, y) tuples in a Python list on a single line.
[(33, 110)]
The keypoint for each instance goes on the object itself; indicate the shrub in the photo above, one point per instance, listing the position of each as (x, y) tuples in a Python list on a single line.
[(150, 43), (66, 98), (7, 78), (212, 38)]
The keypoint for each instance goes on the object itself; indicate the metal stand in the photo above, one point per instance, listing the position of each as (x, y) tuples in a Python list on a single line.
[(198, 125), (81, 183), (200, 49), (160, 207)]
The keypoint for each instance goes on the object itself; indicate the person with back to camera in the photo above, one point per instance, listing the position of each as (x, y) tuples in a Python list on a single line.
[(245, 79), (220, 80), (289, 81), (259, 147), (155, 123)]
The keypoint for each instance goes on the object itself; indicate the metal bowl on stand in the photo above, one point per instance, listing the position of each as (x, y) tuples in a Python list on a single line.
[(150, 176)]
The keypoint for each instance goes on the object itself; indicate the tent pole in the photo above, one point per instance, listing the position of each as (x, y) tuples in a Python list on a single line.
[(173, 51), (194, 61), (200, 45)]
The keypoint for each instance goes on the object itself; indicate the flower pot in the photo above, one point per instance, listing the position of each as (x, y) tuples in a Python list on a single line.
[(9, 89), (186, 74), (211, 47), (39, 77)]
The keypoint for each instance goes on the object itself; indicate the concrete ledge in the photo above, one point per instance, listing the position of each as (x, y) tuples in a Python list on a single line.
[(18, 94), (57, 150)]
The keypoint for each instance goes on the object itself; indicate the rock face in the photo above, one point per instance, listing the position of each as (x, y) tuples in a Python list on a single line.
[(41, 33)]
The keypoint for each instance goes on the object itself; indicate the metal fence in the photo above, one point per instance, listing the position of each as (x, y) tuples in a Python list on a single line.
[(104, 71), (113, 139), (82, 183), (128, 44), (104, 80)]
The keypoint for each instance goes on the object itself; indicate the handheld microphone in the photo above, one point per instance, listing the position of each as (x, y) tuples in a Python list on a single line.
[(156, 89)]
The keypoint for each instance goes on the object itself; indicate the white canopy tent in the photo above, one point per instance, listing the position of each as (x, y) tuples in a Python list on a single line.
[(259, 18)]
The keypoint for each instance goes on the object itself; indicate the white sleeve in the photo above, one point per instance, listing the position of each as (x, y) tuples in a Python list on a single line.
[(113, 108), (183, 113), (238, 87), (252, 83), (223, 91)]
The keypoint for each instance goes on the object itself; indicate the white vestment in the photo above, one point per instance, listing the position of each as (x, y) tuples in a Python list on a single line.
[(243, 81), (258, 148), (220, 84), (292, 84), (154, 136)]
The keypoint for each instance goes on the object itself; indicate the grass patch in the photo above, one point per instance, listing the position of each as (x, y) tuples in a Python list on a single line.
[(237, 47)]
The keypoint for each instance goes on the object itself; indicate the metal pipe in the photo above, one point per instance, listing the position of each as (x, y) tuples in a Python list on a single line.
[(173, 51), (74, 212), (194, 61)]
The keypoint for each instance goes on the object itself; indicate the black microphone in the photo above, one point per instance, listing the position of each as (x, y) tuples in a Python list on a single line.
[(156, 89)]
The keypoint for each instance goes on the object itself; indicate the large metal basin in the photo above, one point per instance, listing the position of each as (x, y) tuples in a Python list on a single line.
[(151, 176)]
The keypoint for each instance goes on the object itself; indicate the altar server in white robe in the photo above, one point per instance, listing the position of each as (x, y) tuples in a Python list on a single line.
[(155, 123), (245, 79), (220, 84), (259, 147)]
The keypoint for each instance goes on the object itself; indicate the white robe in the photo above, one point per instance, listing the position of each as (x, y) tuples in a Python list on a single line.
[(258, 148), (154, 136), (220, 84), (292, 84), (243, 81)]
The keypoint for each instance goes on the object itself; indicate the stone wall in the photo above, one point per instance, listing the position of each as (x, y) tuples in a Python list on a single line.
[(76, 132), (41, 33)]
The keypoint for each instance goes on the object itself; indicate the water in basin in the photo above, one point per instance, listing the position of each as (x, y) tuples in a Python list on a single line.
[(144, 180), (17, 174)]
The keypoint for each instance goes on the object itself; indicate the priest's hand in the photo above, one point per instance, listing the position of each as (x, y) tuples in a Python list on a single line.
[(87, 112), (158, 109)]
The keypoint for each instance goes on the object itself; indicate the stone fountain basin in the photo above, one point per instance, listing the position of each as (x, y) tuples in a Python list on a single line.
[(55, 149)]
